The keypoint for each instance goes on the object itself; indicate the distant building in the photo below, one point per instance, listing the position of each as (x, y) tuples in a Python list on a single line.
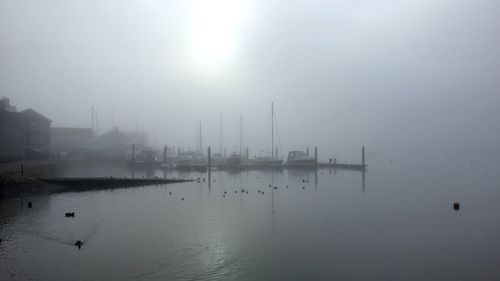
[(138, 138), (5, 105), (36, 134), (70, 140), (11, 132), (116, 143), (112, 143)]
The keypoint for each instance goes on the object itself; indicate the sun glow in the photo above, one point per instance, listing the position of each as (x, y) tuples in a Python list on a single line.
[(215, 33)]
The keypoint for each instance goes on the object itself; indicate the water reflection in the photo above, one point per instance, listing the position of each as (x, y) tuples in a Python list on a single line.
[(149, 233)]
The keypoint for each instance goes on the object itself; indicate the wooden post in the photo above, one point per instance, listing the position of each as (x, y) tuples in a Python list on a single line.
[(363, 155), (209, 161), (307, 151), (22, 170), (247, 154), (133, 154), (276, 154), (165, 155), (316, 155)]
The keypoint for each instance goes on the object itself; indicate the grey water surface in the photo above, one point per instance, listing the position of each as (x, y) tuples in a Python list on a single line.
[(394, 223)]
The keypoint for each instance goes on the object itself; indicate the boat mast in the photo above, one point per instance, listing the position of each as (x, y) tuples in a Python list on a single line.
[(241, 132), (201, 140), (92, 120), (221, 137), (272, 130)]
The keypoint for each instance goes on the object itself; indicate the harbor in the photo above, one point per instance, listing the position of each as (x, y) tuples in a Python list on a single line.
[(295, 160)]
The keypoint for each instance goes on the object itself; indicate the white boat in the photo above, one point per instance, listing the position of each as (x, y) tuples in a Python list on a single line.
[(300, 159), (234, 161)]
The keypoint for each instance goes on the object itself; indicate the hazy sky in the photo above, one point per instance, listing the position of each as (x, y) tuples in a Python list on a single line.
[(395, 76)]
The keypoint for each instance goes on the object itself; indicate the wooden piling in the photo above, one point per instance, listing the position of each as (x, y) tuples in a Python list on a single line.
[(363, 155), (22, 170), (165, 155), (133, 154), (316, 155), (209, 153)]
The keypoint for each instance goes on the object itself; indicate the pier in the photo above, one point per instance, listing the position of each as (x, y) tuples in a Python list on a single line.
[(249, 164)]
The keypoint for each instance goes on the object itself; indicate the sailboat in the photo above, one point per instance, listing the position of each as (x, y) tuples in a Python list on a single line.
[(273, 160), (235, 161), (195, 160)]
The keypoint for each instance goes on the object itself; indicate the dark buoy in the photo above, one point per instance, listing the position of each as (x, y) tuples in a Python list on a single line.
[(303, 180), (275, 187), (456, 206), (70, 215), (79, 244), (182, 199), (303, 187), (262, 192), (170, 193), (236, 191), (30, 204), (269, 185), (287, 186)]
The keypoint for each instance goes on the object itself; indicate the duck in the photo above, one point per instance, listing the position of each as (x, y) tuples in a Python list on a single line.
[(79, 244)]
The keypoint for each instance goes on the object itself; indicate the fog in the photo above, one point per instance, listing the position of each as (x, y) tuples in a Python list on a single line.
[(400, 77)]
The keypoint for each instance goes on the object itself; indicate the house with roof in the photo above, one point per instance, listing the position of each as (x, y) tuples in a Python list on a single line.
[(11, 132), (36, 134), (23, 135)]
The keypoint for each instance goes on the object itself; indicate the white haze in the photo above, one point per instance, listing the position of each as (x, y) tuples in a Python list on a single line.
[(418, 76)]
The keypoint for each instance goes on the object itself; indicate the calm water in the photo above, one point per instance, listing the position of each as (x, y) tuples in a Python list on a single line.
[(398, 224)]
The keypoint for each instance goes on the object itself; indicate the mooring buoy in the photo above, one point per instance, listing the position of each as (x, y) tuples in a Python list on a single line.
[(456, 206)]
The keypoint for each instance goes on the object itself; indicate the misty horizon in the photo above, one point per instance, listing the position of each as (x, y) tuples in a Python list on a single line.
[(415, 77)]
